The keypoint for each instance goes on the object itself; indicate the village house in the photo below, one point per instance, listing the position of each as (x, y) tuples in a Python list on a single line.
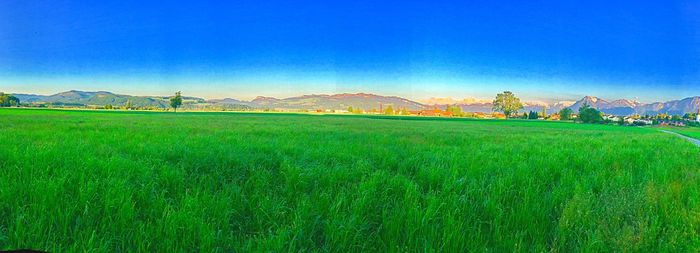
[(678, 123), (643, 122), (612, 118), (672, 123)]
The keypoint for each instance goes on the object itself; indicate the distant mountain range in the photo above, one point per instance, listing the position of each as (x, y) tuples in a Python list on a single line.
[(98, 98), (620, 107), (628, 107), (338, 101), (358, 100)]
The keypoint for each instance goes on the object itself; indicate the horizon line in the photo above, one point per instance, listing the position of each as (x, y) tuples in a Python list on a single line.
[(477, 99)]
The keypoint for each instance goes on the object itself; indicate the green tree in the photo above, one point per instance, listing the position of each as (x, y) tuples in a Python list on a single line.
[(389, 110), (621, 121), (565, 114), (507, 103), (108, 107), (532, 115), (128, 104), (455, 110), (176, 101), (544, 112), (350, 110), (7, 100), (404, 111), (587, 114)]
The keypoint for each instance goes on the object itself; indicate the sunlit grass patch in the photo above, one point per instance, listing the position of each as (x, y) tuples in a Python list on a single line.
[(78, 181)]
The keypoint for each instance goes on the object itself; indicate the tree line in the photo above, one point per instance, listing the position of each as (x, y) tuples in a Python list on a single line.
[(505, 102), (509, 104), (7, 100)]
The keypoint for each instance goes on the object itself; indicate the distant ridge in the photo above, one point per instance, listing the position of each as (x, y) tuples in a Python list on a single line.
[(629, 107), (98, 98), (364, 101), (342, 101), (619, 107)]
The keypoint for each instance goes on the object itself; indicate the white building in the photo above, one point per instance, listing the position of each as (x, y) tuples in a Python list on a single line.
[(612, 118), (643, 121)]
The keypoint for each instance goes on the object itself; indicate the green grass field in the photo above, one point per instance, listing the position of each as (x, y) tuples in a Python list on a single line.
[(231, 182), (692, 132)]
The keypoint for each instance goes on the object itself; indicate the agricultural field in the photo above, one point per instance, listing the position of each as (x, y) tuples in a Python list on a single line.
[(233, 182)]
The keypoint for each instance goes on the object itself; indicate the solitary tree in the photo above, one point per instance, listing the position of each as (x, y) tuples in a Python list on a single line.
[(128, 104), (565, 114), (389, 110), (404, 111), (586, 114), (507, 103), (350, 109), (544, 112), (456, 110), (176, 101)]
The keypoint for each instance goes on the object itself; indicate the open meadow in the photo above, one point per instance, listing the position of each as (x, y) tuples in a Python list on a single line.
[(692, 132), (233, 182)]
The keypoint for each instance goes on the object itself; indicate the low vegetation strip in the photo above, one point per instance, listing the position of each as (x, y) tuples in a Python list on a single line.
[(227, 182)]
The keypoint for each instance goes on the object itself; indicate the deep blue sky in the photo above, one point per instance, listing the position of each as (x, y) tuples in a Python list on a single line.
[(541, 50)]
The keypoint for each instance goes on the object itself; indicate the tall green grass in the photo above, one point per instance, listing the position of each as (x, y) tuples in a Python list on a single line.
[(692, 132), (222, 182)]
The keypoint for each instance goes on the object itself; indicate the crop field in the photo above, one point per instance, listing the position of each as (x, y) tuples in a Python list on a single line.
[(234, 182)]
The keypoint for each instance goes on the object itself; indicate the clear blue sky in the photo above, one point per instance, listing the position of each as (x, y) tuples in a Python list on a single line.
[(648, 50)]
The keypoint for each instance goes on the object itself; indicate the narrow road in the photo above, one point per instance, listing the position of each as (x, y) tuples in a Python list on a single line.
[(694, 141)]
